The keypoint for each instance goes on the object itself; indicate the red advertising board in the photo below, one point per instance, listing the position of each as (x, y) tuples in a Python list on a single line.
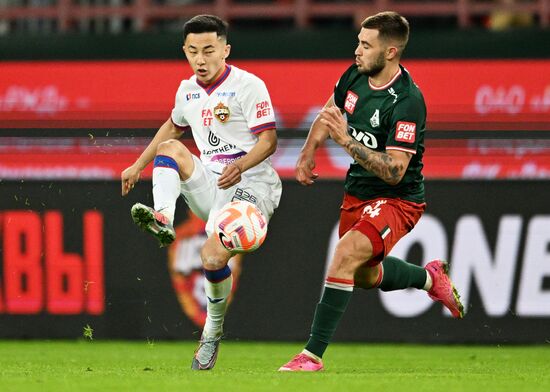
[(89, 159), (460, 94)]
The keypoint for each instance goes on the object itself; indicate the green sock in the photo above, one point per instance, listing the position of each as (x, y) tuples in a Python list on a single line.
[(328, 313), (399, 274)]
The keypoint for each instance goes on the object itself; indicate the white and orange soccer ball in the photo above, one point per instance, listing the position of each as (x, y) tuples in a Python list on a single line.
[(240, 226)]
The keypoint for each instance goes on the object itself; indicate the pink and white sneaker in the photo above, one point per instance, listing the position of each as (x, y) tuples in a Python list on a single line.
[(302, 363), (154, 222), (443, 289)]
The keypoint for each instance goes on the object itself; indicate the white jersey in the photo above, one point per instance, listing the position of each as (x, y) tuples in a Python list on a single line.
[(225, 117)]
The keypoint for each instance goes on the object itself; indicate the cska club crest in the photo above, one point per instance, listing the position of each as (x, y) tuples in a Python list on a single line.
[(221, 112)]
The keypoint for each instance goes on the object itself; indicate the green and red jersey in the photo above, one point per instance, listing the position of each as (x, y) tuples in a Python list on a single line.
[(390, 117)]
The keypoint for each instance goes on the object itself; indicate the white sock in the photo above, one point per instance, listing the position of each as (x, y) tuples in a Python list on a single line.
[(166, 190), (216, 305), (428, 285), (311, 355)]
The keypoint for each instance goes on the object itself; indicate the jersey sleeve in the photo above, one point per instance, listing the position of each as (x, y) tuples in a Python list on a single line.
[(407, 122), (256, 106), (340, 90), (177, 116)]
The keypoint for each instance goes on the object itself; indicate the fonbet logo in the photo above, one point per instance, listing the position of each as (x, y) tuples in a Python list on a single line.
[(263, 109), (405, 132), (476, 264), (351, 101)]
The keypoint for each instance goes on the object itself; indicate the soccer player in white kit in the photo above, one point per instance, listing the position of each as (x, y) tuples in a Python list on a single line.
[(230, 115)]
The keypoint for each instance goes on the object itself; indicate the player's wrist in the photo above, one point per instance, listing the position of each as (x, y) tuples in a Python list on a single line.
[(345, 141), (307, 153), (239, 168), (139, 166)]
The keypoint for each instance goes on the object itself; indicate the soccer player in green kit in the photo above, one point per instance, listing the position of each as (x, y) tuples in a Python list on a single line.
[(384, 189)]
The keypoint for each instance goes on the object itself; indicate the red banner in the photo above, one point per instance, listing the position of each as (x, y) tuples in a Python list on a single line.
[(461, 94), (444, 159)]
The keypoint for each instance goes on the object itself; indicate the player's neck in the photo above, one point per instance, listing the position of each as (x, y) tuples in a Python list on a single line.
[(385, 77), (217, 76)]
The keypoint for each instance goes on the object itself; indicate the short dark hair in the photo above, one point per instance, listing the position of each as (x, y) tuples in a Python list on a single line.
[(205, 24), (390, 26)]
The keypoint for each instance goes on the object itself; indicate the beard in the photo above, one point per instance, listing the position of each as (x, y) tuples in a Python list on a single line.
[(375, 67)]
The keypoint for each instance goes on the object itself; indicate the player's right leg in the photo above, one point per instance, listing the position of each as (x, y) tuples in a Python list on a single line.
[(201, 194), (205, 199), (172, 163), (217, 285)]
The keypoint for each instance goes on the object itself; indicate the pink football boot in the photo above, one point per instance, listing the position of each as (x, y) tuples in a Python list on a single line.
[(302, 363), (443, 289), (154, 222)]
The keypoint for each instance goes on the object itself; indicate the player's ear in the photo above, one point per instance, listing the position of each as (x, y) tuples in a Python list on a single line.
[(226, 51), (391, 52)]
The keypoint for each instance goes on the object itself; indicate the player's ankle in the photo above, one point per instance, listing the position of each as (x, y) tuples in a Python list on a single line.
[(316, 358), (429, 282)]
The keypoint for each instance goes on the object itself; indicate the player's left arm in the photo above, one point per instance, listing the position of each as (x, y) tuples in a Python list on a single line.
[(390, 166), (266, 146), (258, 112)]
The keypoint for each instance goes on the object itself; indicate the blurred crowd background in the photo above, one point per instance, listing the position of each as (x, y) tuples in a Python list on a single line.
[(120, 16)]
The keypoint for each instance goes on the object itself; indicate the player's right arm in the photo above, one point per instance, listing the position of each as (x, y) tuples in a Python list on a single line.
[(305, 165), (130, 176)]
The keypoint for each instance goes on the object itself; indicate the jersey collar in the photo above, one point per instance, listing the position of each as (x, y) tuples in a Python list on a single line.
[(392, 80), (209, 88)]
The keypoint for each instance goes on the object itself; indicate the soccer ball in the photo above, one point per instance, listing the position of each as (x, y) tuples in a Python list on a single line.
[(240, 226)]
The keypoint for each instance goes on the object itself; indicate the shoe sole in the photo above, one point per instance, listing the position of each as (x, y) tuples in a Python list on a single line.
[(145, 220), (455, 291), (196, 365), (283, 369)]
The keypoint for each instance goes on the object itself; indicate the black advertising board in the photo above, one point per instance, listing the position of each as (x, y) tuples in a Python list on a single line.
[(72, 259)]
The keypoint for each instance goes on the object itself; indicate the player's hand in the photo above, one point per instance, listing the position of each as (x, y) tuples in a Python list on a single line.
[(304, 169), (231, 175), (129, 178), (336, 123)]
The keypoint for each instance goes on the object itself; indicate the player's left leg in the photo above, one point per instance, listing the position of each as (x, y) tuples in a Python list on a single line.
[(442, 289), (351, 252), (396, 274), (172, 163), (217, 285), (394, 220), (392, 274)]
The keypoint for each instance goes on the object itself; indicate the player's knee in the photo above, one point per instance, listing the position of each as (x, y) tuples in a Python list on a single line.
[(214, 256), (345, 261), (366, 277), (172, 148), (181, 154)]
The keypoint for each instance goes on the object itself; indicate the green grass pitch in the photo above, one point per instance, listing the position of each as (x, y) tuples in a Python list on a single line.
[(251, 366)]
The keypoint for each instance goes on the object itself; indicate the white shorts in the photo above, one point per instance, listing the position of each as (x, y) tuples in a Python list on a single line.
[(205, 199)]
